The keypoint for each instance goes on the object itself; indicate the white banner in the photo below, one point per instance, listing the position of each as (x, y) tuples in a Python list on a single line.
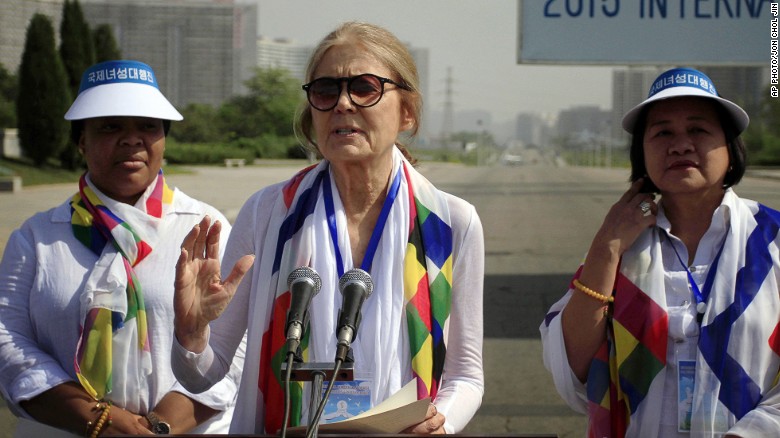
[(690, 32)]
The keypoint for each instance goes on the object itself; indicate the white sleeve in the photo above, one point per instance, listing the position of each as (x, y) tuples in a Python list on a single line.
[(557, 362), (764, 420), (26, 370), (463, 382)]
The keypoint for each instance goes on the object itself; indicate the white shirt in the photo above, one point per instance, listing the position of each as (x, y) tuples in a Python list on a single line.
[(683, 328), (463, 381), (42, 274)]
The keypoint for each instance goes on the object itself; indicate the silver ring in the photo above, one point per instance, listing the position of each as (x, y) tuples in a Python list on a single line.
[(645, 207)]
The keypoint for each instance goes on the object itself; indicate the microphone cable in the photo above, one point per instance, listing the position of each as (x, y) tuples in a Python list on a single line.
[(316, 419), (290, 357)]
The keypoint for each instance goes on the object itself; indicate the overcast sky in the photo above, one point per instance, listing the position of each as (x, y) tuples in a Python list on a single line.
[(477, 38)]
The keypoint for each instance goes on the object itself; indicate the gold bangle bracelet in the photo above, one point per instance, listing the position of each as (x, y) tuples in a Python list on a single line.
[(104, 419), (592, 293)]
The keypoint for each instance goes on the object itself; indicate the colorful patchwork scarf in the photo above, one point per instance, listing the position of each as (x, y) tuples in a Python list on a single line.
[(114, 344), (427, 271), (743, 310)]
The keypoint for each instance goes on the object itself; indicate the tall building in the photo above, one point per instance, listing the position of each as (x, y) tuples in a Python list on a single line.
[(283, 53), (629, 88), (202, 51), (743, 85), (583, 121), (15, 16)]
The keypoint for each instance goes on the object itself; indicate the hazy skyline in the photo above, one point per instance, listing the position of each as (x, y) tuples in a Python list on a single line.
[(476, 38)]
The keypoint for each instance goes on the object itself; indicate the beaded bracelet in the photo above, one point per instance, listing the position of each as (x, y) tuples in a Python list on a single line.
[(592, 293), (103, 420)]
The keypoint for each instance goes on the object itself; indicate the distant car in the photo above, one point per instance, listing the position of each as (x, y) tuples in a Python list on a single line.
[(512, 160)]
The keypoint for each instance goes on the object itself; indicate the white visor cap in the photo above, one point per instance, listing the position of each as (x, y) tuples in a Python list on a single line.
[(682, 82), (120, 88)]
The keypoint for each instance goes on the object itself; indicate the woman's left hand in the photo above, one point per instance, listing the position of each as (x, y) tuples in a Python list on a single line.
[(200, 294), (433, 423)]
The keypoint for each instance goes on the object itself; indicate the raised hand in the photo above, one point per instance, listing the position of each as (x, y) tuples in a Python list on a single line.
[(200, 293), (583, 320), (626, 220)]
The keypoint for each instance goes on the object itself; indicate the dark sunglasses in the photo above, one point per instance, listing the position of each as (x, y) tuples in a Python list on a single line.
[(363, 90)]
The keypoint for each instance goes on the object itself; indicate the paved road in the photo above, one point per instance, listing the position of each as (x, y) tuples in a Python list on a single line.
[(538, 223)]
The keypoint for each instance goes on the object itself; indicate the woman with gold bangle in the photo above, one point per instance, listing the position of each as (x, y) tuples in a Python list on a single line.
[(669, 328), (86, 288)]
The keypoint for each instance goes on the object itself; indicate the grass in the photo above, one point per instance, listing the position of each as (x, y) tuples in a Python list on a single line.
[(32, 175), (52, 174)]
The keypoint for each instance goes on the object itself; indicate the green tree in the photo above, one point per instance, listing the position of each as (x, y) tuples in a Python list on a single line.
[(78, 53), (8, 86), (268, 108), (76, 47), (769, 117), (762, 136), (43, 94), (198, 125), (106, 48)]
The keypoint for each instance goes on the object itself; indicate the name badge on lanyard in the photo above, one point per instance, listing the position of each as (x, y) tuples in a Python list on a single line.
[(347, 399), (686, 378), (686, 368)]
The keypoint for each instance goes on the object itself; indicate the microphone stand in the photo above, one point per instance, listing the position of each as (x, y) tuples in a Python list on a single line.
[(317, 372)]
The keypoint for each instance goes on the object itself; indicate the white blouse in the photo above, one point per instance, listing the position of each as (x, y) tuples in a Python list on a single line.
[(683, 327), (463, 382), (42, 274)]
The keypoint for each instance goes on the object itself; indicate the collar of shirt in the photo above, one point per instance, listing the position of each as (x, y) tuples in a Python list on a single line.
[(711, 241)]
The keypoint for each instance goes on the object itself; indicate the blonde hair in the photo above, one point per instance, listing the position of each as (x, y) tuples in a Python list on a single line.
[(387, 49)]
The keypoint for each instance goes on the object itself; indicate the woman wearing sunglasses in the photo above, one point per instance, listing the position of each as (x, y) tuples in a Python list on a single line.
[(363, 206)]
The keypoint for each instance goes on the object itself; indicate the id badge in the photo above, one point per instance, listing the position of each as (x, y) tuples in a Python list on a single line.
[(686, 373), (346, 400)]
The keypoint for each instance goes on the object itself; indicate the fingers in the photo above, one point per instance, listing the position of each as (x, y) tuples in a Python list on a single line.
[(212, 241), (200, 240), (433, 424), (432, 411), (188, 245), (240, 269), (642, 202), (203, 240), (181, 267), (633, 190)]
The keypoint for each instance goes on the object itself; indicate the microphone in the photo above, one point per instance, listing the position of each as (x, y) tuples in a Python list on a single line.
[(355, 286), (304, 284)]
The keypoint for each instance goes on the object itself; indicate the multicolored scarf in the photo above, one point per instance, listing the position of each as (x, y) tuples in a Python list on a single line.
[(633, 354), (427, 284), (112, 299), (628, 368)]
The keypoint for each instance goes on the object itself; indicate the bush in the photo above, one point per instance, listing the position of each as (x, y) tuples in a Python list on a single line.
[(769, 155), (271, 146), (8, 87), (203, 153)]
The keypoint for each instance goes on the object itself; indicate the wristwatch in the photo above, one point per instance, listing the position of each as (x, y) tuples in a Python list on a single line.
[(158, 426)]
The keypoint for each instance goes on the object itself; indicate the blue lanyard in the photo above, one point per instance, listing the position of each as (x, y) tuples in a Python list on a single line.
[(700, 296), (373, 243)]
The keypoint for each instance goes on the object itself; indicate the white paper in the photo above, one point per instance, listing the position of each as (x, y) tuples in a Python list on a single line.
[(398, 412)]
